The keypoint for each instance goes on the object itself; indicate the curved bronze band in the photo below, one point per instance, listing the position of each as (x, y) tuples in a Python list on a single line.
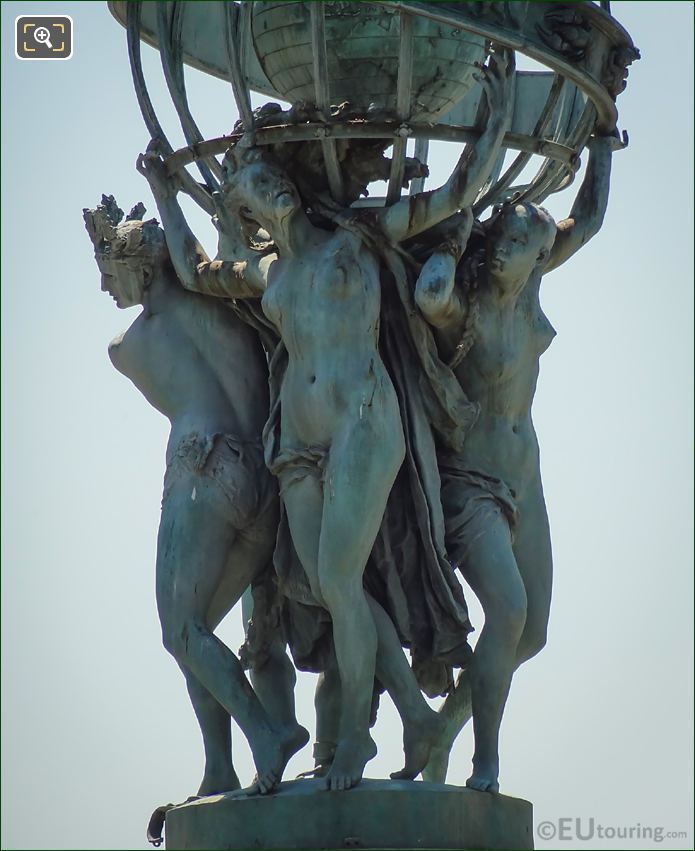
[(366, 130), (606, 112)]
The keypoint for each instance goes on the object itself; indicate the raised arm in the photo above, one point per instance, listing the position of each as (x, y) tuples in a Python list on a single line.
[(436, 294), (245, 278), (586, 217), (412, 215)]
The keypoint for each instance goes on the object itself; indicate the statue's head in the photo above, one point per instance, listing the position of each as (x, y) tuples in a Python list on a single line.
[(128, 252), (256, 189), (519, 239)]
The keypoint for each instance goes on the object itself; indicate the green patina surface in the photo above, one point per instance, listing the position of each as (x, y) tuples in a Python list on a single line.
[(350, 395)]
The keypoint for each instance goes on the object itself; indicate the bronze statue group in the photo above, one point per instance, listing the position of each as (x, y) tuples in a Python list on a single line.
[(350, 393)]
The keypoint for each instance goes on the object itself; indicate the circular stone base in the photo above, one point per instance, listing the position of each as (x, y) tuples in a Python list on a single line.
[(377, 814)]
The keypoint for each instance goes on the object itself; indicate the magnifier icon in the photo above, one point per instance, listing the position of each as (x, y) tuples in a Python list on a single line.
[(43, 36)]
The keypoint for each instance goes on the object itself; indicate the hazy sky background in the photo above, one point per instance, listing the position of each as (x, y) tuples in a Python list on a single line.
[(96, 725)]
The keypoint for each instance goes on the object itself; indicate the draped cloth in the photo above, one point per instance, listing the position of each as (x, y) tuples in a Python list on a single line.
[(408, 572), (409, 552)]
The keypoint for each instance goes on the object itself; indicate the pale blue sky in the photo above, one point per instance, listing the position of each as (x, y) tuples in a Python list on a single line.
[(97, 729)]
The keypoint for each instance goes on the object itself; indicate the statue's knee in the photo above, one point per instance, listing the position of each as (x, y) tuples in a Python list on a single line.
[(509, 616), (337, 589), (532, 641), (329, 588), (515, 617), (175, 637), (169, 640)]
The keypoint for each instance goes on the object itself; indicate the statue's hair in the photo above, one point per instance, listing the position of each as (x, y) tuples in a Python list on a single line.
[(243, 153), (538, 214), (120, 239)]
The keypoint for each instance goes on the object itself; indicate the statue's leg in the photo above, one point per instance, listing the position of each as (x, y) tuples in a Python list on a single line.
[(535, 560), (359, 475), (533, 554), (193, 547), (303, 498), (327, 702), (273, 681), (304, 502), (214, 721), (491, 570), (421, 725), (455, 712), (274, 678)]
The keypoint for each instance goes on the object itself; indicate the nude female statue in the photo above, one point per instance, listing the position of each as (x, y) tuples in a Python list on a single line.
[(341, 442), (496, 522), (198, 364)]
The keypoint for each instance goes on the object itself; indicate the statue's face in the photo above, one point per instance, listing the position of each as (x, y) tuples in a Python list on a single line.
[(123, 281), (517, 243), (267, 192)]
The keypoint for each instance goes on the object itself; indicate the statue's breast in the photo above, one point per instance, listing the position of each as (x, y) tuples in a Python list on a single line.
[(133, 347), (544, 333), (340, 275), (512, 340)]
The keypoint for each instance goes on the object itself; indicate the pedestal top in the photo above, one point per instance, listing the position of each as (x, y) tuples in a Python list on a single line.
[(377, 814)]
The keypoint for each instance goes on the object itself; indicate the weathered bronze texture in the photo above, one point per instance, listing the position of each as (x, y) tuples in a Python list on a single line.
[(350, 383)]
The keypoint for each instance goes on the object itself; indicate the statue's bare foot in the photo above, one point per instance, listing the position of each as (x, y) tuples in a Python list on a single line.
[(419, 738), (351, 756), (219, 780), (484, 778), (272, 754)]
